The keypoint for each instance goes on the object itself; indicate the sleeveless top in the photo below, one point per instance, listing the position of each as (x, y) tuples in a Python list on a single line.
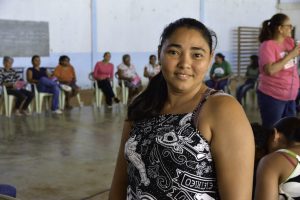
[(36, 75), (169, 159), (290, 188)]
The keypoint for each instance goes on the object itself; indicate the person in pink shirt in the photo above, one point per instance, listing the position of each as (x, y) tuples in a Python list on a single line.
[(104, 73), (278, 78)]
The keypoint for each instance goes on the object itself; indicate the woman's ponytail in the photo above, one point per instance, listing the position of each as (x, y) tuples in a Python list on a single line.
[(265, 33), (150, 102)]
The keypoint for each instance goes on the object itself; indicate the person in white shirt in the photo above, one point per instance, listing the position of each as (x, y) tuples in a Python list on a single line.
[(126, 71), (152, 68)]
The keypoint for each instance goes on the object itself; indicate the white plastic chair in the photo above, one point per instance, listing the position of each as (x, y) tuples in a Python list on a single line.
[(39, 97), (98, 92), (124, 90), (6, 101), (62, 99)]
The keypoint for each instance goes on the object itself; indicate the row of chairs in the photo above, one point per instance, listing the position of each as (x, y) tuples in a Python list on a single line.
[(7, 100)]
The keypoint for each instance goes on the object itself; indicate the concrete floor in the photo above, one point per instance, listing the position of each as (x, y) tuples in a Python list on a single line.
[(67, 157), (64, 157)]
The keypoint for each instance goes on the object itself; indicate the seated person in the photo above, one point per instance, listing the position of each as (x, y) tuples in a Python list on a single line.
[(126, 72), (45, 83), (104, 74), (278, 173), (152, 68), (15, 86), (261, 136), (219, 73), (251, 77), (65, 74)]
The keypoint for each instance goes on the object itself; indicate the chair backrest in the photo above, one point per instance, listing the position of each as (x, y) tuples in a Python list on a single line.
[(50, 69), (91, 76), (20, 71)]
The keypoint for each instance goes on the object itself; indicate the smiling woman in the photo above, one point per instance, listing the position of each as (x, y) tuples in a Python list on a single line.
[(177, 140)]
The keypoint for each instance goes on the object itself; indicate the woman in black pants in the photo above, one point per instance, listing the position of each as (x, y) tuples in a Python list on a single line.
[(10, 79), (104, 73)]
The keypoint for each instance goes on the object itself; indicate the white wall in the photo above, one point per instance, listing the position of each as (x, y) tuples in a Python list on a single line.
[(292, 9), (69, 21), (136, 25), (130, 26), (224, 16)]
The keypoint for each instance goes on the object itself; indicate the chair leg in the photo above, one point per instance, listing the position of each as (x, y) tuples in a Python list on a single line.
[(97, 97), (79, 100), (123, 93), (40, 104), (62, 99), (10, 105), (100, 98)]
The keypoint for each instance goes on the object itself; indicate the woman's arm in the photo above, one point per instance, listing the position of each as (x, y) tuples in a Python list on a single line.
[(275, 67), (121, 75), (267, 178), (119, 183), (29, 77), (232, 146), (146, 74)]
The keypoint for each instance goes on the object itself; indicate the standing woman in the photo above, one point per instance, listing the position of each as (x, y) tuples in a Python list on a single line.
[(104, 74), (278, 79), (178, 141)]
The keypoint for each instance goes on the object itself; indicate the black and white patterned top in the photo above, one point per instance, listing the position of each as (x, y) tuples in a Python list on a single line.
[(169, 159), (8, 76)]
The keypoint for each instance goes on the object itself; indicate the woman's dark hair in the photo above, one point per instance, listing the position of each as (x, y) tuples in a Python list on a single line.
[(152, 56), (151, 101), (62, 58), (254, 61), (290, 128), (270, 26), (34, 57), (261, 135), (220, 56), (106, 53), (125, 56)]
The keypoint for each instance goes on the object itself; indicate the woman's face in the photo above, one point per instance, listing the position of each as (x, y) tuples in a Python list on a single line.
[(218, 60), (36, 62), (153, 60), (286, 28), (107, 57), (8, 64), (127, 61), (185, 58), (65, 62)]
